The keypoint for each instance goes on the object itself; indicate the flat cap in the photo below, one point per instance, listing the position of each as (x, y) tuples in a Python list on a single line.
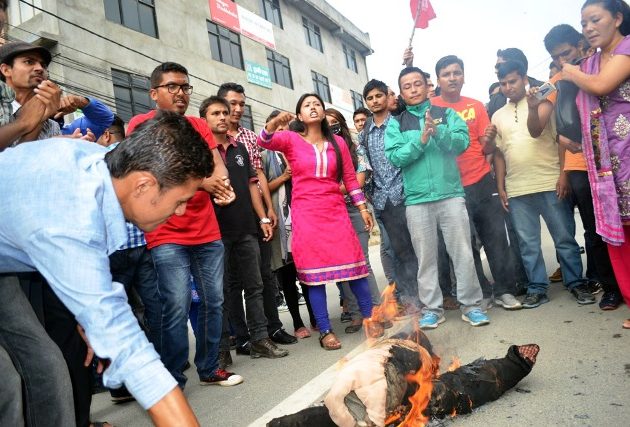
[(10, 50)]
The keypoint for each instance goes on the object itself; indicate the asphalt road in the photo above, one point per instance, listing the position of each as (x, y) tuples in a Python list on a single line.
[(581, 378)]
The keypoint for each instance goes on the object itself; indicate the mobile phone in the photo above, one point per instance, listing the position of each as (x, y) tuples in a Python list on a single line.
[(545, 90)]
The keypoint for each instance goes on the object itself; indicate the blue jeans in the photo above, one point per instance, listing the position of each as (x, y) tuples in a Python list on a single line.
[(526, 212), (174, 264)]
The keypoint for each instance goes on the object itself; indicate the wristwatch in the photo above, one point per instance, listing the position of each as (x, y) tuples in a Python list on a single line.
[(265, 221)]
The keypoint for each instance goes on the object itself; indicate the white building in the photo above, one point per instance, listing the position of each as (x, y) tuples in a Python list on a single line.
[(277, 49)]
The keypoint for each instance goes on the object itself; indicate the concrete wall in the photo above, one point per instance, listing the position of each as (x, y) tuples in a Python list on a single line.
[(183, 38)]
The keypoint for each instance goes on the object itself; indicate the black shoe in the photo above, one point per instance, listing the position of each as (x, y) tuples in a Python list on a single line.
[(594, 287), (354, 327), (534, 300), (225, 359), (266, 348), (186, 366), (121, 395), (346, 317), (282, 337), (244, 349), (582, 294), (610, 300)]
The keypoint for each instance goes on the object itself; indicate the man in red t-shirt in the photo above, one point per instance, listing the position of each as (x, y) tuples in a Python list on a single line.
[(190, 244), (482, 201)]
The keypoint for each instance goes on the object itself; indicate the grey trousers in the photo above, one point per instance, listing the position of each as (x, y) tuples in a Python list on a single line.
[(451, 217), (36, 359), (364, 237)]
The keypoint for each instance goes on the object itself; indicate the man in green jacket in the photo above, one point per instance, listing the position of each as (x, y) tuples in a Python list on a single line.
[(424, 142)]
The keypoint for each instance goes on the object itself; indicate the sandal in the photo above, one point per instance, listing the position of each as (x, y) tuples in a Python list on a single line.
[(302, 333), (375, 329), (626, 324), (329, 341), (354, 326)]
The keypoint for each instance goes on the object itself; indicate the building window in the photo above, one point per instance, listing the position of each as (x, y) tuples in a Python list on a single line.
[(247, 120), (320, 85), (22, 11), (138, 15), (271, 11), (225, 45), (312, 34), (357, 100), (279, 69), (351, 58), (131, 93)]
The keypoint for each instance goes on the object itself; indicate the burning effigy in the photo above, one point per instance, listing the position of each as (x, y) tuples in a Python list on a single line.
[(397, 383)]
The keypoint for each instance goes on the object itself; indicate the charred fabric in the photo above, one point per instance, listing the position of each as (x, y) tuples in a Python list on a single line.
[(397, 383)]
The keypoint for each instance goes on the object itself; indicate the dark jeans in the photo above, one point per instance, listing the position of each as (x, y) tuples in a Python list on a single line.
[(395, 221), (134, 269), (270, 288), (36, 359), (595, 246), (242, 264), (486, 215), (174, 265)]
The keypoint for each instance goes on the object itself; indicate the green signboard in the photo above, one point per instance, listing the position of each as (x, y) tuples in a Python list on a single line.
[(258, 74)]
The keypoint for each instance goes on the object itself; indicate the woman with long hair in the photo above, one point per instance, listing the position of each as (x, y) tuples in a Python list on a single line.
[(338, 125), (604, 106), (278, 173), (324, 244)]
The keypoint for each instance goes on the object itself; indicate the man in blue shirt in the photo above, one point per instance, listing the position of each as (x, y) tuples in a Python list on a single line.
[(63, 217)]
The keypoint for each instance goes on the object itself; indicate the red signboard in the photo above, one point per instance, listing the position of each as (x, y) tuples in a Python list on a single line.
[(224, 12)]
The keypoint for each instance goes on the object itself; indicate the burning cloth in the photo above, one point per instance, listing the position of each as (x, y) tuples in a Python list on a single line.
[(396, 383)]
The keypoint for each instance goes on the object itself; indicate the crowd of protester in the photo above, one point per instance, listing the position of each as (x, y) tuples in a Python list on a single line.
[(225, 225)]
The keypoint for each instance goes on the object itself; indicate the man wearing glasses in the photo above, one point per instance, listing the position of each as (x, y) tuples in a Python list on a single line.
[(190, 244)]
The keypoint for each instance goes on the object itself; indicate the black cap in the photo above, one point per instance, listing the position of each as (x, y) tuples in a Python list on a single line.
[(8, 51)]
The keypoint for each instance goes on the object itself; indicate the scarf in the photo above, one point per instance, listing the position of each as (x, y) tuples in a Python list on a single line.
[(596, 151)]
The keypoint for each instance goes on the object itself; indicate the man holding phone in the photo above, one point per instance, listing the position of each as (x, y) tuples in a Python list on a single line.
[(527, 167)]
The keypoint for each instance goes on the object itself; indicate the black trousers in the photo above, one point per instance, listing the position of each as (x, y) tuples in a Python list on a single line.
[(61, 327), (594, 243), (287, 276)]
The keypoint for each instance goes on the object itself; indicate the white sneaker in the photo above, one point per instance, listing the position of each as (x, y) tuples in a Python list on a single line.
[(283, 307), (508, 302), (301, 301)]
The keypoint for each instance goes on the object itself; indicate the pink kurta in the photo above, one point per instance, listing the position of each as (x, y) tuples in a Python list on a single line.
[(324, 244)]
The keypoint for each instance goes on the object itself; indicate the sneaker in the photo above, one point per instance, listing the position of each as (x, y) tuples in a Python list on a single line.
[(301, 300), (244, 349), (282, 337), (266, 348), (582, 294), (223, 378), (594, 287), (430, 320), (346, 317), (476, 318), (508, 302), (282, 307), (610, 300), (556, 276), (534, 300)]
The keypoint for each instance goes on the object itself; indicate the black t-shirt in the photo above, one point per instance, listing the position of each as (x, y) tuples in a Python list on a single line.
[(237, 218)]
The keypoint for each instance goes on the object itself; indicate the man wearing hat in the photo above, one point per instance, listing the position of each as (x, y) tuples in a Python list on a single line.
[(42, 100), (24, 69)]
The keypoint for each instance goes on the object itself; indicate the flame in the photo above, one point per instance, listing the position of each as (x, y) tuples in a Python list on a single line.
[(455, 363), (388, 308), (420, 399)]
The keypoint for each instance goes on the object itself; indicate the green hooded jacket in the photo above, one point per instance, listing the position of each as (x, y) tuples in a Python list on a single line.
[(430, 170)]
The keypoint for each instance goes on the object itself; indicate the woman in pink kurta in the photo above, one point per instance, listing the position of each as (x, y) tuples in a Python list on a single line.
[(324, 244)]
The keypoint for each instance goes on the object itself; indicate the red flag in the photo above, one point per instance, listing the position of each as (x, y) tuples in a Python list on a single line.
[(424, 14)]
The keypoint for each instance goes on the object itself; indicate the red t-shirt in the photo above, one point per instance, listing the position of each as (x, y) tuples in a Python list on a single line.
[(472, 162), (199, 224)]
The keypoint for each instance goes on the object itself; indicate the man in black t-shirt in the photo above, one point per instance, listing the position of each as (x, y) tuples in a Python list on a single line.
[(239, 232)]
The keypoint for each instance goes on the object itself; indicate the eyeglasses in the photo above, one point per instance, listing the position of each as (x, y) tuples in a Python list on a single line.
[(174, 88)]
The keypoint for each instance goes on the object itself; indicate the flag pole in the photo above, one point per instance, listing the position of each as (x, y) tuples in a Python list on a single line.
[(415, 23)]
